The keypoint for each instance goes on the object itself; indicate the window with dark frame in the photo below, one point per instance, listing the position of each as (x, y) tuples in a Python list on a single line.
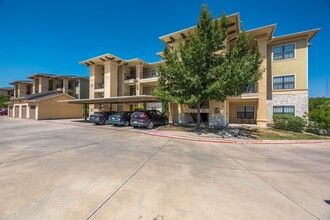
[(283, 110), (245, 112), (283, 52), (283, 82), (153, 73), (76, 84)]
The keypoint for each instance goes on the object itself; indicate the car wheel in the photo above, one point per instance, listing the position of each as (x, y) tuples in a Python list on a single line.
[(106, 122), (150, 125), (134, 126), (126, 123)]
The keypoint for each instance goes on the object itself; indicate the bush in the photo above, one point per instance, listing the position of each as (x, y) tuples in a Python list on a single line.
[(139, 108), (289, 123)]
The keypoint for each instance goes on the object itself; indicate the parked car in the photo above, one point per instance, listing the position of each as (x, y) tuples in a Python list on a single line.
[(120, 118), (3, 111), (148, 118), (100, 117)]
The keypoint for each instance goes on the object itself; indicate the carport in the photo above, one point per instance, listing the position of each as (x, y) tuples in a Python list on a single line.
[(113, 100)]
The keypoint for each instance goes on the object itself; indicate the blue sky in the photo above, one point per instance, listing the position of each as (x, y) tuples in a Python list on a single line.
[(53, 36)]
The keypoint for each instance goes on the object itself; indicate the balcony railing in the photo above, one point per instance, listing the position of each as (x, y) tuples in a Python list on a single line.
[(58, 86), (129, 76), (99, 85), (130, 94), (251, 89)]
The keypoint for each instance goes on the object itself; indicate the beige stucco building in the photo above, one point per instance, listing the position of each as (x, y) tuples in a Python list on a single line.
[(119, 84), (283, 87), (7, 91), (41, 96)]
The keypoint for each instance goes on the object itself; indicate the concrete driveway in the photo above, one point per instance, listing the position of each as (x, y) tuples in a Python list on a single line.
[(50, 170)]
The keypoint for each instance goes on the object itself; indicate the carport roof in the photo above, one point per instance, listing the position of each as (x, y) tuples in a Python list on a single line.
[(116, 100)]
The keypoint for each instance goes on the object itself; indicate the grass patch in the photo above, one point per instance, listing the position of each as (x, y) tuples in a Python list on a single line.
[(275, 134)]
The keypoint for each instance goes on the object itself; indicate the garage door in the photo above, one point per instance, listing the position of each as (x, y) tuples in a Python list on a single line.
[(16, 111), (10, 113), (24, 111), (32, 112)]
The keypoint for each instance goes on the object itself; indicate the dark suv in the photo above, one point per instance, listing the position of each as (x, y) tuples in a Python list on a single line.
[(100, 117), (120, 118), (148, 118)]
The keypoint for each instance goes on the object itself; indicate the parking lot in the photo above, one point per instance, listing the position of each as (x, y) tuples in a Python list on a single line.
[(74, 170)]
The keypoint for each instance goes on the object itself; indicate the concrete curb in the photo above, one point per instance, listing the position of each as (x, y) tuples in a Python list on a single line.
[(206, 140)]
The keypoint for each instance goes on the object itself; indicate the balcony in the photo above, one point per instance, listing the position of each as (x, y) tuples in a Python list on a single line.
[(59, 87), (130, 78), (149, 80), (249, 92), (130, 94), (99, 85)]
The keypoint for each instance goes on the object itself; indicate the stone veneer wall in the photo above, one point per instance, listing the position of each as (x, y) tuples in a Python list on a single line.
[(300, 101)]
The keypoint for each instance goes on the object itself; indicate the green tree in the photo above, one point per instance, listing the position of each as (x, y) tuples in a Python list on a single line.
[(3, 101), (319, 115), (199, 69)]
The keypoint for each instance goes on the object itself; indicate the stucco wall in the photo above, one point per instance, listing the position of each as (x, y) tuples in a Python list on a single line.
[(233, 113), (51, 109)]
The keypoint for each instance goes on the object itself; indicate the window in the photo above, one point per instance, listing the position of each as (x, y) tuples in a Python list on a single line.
[(76, 84), (245, 112), (153, 73), (283, 82), (251, 88), (283, 52), (283, 110)]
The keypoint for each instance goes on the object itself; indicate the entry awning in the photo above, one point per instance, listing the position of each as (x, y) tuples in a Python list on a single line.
[(115, 100)]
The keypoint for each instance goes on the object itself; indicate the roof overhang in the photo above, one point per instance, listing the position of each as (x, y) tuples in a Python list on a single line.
[(115, 100), (309, 34), (267, 31), (21, 81), (176, 37), (101, 59)]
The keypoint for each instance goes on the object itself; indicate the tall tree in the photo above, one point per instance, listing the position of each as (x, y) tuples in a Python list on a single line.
[(3, 101), (202, 69)]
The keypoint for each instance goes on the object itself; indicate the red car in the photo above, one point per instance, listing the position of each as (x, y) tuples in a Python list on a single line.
[(3, 111)]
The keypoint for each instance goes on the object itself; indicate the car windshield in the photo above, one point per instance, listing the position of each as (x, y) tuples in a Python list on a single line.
[(137, 114), (119, 113)]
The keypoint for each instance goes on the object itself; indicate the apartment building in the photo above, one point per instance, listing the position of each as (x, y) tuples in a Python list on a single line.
[(7, 91), (283, 87), (38, 97), (119, 84)]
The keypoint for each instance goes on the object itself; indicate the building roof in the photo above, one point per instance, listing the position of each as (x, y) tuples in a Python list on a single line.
[(54, 76), (113, 58), (39, 96), (7, 88), (309, 34), (21, 81), (118, 99), (172, 38), (265, 30)]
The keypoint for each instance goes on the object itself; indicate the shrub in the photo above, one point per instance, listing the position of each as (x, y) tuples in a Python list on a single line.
[(289, 123), (139, 108)]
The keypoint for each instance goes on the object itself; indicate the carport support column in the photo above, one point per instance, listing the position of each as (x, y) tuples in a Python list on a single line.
[(85, 111)]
